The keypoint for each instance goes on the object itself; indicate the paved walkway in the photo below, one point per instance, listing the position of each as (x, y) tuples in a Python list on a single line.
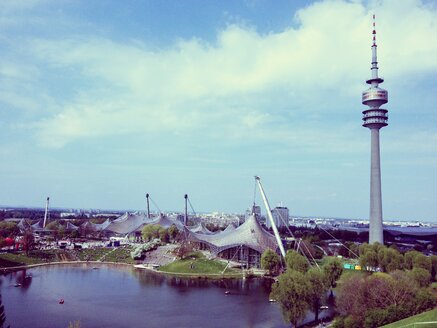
[(104, 255), (161, 256)]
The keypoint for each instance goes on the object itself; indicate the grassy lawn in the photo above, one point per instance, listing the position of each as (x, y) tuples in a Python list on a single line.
[(120, 255), (91, 254), (423, 317), (35, 257), (197, 264)]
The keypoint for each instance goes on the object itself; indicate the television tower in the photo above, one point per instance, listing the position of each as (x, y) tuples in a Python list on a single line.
[(375, 118)]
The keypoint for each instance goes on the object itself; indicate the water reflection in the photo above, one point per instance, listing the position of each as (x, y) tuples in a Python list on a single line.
[(120, 296), (151, 279), (23, 279), (182, 284), (2, 313)]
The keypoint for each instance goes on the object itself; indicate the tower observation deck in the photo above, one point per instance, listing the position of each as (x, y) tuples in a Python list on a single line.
[(375, 118)]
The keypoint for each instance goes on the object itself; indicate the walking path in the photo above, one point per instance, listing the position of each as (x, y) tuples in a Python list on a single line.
[(160, 256), (105, 255)]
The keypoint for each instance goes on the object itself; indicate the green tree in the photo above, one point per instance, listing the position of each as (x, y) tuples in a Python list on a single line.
[(434, 267), (296, 261), (28, 241), (393, 260), (350, 297), (56, 228), (422, 261), (164, 235), (408, 259), (270, 261), (317, 289), (292, 293), (98, 220), (371, 255), (54, 225), (377, 290), (381, 298), (424, 300), (61, 231), (151, 231), (389, 259), (8, 229), (309, 249), (173, 232), (369, 258), (403, 288), (184, 249), (353, 250), (332, 270), (421, 276)]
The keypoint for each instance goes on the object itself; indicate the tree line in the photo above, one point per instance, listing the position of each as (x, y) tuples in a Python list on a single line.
[(400, 287), (392, 285), (301, 287)]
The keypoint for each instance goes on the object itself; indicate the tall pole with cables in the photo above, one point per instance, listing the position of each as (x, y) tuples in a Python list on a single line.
[(270, 217), (148, 207), (46, 213), (186, 210)]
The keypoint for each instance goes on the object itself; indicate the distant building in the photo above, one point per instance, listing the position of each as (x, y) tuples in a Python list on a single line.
[(280, 215), (256, 210)]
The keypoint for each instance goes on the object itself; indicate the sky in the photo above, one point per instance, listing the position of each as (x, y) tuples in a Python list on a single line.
[(104, 101)]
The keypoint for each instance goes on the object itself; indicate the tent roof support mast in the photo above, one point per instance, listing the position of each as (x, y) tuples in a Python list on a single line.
[(270, 217)]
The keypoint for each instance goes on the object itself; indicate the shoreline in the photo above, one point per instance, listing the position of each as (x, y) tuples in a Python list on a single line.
[(29, 266), (135, 266)]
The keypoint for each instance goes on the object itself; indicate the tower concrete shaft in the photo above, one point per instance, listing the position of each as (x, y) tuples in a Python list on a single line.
[(375, 217), (375, 118)]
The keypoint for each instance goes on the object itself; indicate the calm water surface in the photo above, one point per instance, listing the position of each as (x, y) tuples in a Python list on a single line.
[(119, 296)]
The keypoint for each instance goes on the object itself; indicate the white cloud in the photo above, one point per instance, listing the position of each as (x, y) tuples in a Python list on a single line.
[(230, 86), (10, 6)]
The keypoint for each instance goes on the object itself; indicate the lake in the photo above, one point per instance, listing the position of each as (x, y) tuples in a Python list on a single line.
[(121, 296)]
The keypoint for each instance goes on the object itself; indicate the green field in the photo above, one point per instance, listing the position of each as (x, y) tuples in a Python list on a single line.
[(35, 257), (420, 321), (197, 264), (91, 254), (119, 255)]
